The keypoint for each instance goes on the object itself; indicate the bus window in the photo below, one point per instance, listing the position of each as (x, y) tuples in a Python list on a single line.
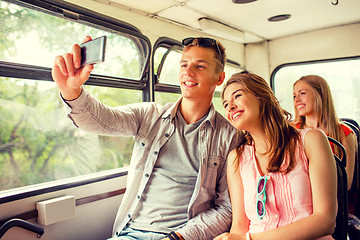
[(171, 66), (230, 69), (38, 143), (29, 37), (342, 77)]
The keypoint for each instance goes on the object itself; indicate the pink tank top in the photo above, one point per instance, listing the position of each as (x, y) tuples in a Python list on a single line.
[(289, 196)]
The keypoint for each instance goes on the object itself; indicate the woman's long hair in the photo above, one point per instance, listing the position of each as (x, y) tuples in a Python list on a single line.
[(283, 137), (323, 106)]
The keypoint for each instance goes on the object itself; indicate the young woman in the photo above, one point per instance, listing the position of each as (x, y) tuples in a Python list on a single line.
[(282, 182), (314, 108)]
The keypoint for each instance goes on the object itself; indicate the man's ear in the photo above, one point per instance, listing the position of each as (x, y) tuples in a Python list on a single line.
[(221, 78)]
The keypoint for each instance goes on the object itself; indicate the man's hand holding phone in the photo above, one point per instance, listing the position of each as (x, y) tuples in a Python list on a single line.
[(68, 72)]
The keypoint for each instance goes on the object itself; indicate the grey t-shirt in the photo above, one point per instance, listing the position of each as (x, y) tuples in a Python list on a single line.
[(163, 206)]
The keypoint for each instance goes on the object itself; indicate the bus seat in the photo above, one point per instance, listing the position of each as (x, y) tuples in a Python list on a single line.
[(353, 193), (341, 229), (354, 198)]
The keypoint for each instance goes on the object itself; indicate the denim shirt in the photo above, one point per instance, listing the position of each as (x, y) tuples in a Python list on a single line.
[(209, 211)]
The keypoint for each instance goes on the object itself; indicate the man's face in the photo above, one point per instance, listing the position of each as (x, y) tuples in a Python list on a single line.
[(197, 76)]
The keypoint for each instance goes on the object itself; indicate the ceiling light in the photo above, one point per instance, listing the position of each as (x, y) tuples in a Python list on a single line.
[(221, 30), (243, 1), (279, 18)]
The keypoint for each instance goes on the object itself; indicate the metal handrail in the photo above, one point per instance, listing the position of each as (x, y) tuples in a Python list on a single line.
[(22, 224)]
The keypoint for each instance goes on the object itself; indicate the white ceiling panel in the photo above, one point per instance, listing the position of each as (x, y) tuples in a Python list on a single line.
[(182, 15), (252, 18), (151, 6)]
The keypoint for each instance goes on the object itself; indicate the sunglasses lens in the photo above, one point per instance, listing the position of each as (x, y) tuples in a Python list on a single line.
[(260, 207), (205, 42), (261, 185), (187, 41)]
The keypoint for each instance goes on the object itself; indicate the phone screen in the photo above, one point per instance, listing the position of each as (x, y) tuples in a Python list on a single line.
[(93, 52)]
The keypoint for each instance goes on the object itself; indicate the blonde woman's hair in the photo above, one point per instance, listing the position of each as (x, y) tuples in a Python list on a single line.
[(323, 106)]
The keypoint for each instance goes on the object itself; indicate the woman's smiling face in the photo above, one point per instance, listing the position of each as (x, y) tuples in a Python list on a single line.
[(304, 98), (242, 107)]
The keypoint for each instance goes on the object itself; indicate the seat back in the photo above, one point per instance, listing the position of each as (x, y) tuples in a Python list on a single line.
[(341, 229), (354, 198)]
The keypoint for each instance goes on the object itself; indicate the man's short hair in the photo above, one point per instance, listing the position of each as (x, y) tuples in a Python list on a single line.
[(218, 48)]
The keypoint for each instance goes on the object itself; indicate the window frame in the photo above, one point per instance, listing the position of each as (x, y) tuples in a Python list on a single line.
[(305, 63), (84, 16), (273, 73), (39, 73), (170, 44)]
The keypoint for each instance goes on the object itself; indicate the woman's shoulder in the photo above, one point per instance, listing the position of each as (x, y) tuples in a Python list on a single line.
[(313, 133), (313, 137), (310, 132)]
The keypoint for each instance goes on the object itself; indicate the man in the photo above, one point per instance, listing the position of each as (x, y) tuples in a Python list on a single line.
[(176, 186)]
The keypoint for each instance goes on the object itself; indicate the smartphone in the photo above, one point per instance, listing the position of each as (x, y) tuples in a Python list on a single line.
[(93, 52)]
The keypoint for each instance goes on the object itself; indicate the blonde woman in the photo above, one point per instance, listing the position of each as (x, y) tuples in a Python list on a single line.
[(314, 108)]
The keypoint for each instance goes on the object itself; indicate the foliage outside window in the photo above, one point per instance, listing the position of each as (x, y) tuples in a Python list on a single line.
[(38, 143), (32, 37), (171, 67), (342, 77)]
